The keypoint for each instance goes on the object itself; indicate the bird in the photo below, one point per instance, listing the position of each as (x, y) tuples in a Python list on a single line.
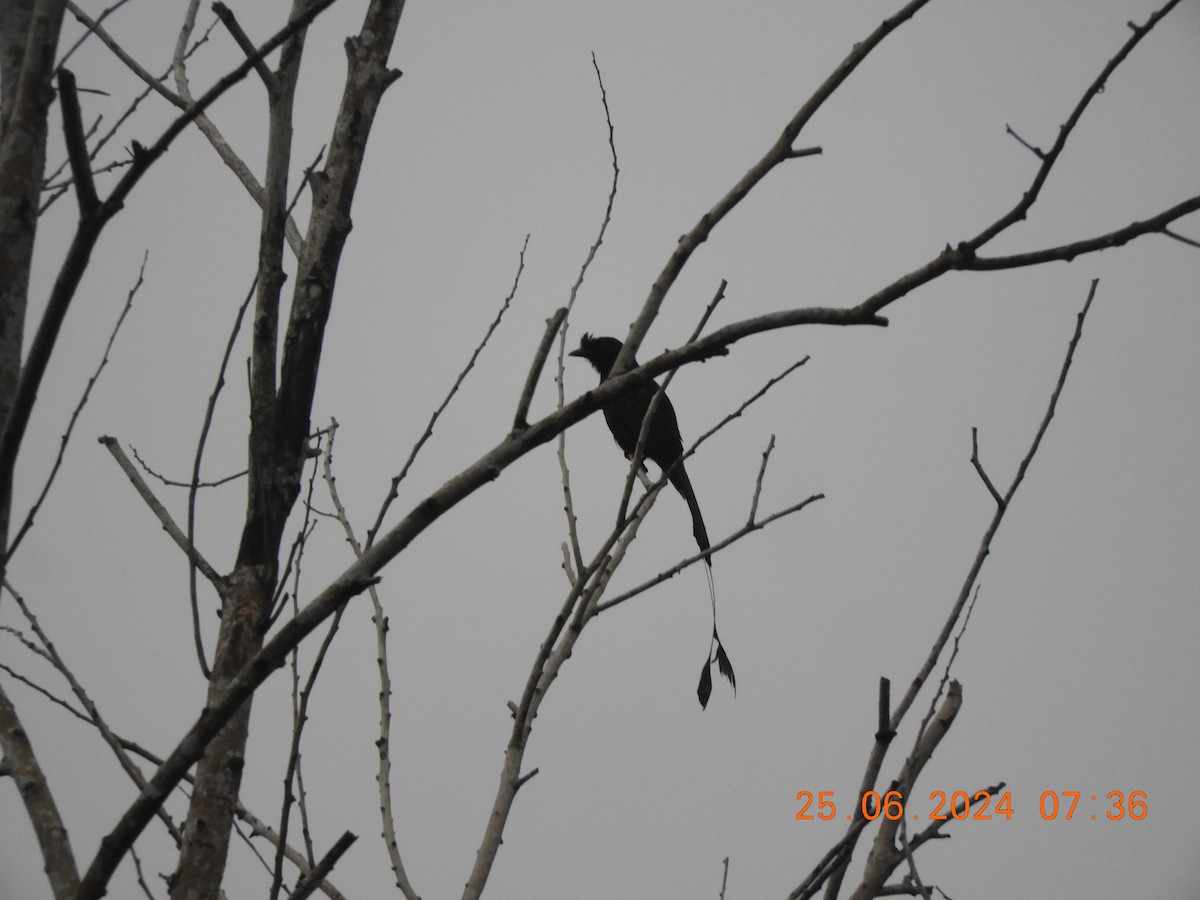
[(624, 415), (664, 447)]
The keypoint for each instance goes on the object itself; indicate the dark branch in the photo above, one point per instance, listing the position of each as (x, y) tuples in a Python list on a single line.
[(77, 151), (520, 420), (225, 14)]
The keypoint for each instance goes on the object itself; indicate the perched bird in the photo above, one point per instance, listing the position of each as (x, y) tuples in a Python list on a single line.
[(664, 447), (624, 416)]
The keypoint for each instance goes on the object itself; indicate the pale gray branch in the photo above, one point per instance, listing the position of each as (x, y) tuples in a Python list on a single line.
[(160, 512)]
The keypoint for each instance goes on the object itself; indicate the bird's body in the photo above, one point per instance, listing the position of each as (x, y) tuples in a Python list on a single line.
[(624, 415)]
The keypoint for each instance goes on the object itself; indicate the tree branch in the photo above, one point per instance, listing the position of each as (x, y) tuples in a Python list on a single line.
[(884, 857), (1050, 157), (394, 490), (559, 385), (225, 14), (384, 743), (781, 151), (160, 512), (311, 882), (553, 324), (77, 152), (87, 392), (91, 712), (79, 253), (20, 763)]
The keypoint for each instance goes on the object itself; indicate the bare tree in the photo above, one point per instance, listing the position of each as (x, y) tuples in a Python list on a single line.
[(266, 614)]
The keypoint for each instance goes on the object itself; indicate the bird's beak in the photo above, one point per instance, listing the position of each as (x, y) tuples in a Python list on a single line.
[(578, 352)]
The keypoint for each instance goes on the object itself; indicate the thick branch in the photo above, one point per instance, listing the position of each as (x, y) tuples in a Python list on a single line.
[(333, 191), (21, 764)]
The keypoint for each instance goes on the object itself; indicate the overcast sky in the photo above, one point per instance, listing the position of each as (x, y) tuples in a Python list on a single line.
[(1079, 668)]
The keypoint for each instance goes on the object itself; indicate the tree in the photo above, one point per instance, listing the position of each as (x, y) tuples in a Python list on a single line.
[(268, 611)]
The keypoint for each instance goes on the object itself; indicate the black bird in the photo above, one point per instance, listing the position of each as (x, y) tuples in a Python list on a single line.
[(664, 447), (624, 416)]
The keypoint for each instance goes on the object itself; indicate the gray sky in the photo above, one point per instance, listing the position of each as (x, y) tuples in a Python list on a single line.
[(1078, 666)]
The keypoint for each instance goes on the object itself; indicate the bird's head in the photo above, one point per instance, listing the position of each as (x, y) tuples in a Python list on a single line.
[(601, 352)]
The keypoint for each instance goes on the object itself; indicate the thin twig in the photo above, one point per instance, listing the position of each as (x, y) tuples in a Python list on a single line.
[(747, 529), (384, 743), (934, 830), (33, 685), (945, 679), (87, 392), (92, 711), (294, 773), (299, 718), (141, 877), (394, 491), (172, 482), (987, 482), (160, 512), (758, 481), (66, 184), (912, 863), (193, 488), (1036, 151), (91, 27), (1179, 237), (559, 384)]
